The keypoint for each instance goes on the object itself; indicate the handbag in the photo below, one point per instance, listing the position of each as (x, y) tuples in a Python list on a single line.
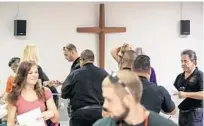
[(50, 123)]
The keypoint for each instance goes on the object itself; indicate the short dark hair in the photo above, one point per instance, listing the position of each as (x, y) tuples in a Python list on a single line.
[(88, 55), (142, 63), (191, 54), (13, 60), (70, 47)]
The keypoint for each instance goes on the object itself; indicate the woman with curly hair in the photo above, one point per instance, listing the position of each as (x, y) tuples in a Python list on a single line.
[(27, 94)]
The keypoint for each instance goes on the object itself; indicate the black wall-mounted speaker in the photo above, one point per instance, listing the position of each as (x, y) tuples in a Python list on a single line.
[(185, 27), (20, 27)]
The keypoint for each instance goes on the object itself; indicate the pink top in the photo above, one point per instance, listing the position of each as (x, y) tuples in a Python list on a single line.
[(24, 106)]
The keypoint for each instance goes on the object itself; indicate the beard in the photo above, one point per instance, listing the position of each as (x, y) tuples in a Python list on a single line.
[(121, 116)]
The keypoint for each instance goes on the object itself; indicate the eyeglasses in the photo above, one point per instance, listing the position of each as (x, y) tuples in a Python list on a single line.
[(115, 80)]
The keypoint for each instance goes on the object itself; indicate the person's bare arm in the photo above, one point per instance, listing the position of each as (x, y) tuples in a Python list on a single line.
[(194, 95), (4, 98), (114, 54), (11, 115), (52, 112)]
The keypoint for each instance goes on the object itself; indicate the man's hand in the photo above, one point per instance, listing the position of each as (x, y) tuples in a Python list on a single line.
[(180, 94), (52, 83)]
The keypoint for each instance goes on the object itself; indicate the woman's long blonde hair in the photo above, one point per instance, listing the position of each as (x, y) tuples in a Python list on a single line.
[(30, 53), (124, 48)]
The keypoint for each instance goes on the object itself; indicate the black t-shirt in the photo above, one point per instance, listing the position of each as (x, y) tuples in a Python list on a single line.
[(193, 83), (156, 98), (154, 119)]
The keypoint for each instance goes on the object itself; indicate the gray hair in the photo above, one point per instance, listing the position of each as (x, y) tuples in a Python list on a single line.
[(191, 54)]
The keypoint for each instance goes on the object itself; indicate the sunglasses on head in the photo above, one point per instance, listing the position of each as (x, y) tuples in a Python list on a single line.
[(113, 77), (66, 48)]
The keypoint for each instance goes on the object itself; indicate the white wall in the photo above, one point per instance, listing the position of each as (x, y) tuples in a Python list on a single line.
[(154, 26)]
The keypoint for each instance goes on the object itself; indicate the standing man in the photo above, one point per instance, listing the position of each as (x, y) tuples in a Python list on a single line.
[(71, 54), (154, 98), (153, 77), (190, 86), (84, 89)]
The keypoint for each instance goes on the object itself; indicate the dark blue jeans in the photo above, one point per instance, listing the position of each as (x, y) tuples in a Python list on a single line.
[(191, 117)]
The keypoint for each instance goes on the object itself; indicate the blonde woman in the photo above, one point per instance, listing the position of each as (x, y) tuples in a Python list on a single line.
[(30, 53), (117, 53)]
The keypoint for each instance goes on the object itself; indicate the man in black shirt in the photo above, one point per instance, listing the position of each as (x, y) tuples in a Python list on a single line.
[(83, 88), (190, 86), (71, 54), (154, 98)]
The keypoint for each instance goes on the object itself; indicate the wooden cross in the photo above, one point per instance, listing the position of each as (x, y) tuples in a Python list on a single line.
[(101, 30)]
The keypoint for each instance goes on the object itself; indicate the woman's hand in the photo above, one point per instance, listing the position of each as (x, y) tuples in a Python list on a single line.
[(47, 115)]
